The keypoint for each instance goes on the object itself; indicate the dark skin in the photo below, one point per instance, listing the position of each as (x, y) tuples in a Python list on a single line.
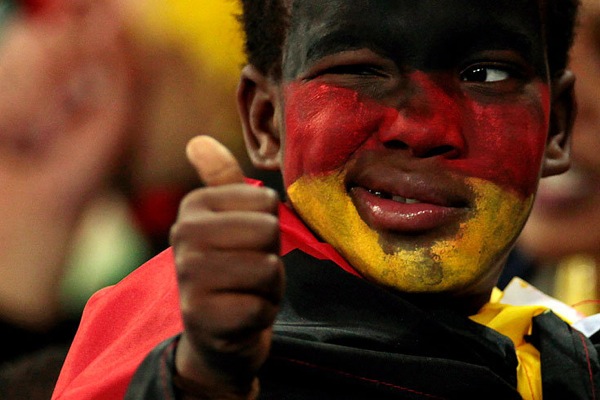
[(226, 237), (239, 285)]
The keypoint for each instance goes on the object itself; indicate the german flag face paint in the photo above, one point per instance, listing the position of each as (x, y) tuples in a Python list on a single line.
[(405, 263), (417, 156)]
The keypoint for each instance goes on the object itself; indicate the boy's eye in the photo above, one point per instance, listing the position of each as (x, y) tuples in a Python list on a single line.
[(354, 69), (369, 79), (485, 74)]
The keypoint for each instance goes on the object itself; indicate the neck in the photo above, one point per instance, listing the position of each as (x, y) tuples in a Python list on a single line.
[(466, 305)]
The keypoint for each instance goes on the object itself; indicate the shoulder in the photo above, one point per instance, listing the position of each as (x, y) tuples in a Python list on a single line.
[(121, 324)]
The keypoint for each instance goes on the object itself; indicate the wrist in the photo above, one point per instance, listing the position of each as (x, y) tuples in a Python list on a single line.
[(193, 378), (191, 390)]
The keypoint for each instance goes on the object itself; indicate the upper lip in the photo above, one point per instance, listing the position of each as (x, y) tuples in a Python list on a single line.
[(423, 186)]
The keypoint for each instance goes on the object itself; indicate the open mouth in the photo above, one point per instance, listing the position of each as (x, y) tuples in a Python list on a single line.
[(404, 213), (393, 197)]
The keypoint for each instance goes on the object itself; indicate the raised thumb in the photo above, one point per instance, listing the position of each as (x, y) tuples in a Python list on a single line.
[(213, 161)]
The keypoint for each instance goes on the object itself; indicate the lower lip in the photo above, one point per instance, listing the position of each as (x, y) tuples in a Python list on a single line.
[(389, 215)]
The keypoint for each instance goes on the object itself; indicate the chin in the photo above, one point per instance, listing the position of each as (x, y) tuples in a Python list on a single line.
[(442, 263)]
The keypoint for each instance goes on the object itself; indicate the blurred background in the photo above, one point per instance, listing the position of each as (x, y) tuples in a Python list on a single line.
[(559, 249), (98, 99)]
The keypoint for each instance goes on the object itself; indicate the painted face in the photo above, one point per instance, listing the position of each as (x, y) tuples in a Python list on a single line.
[(415, 131)]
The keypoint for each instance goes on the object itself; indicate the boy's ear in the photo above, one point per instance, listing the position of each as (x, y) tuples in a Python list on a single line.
[(557, 158), (257, 98)]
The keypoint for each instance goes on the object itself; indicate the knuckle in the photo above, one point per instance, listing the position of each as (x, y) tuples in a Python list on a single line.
[(272, 224), (177, 232), (266, 224), (188, 262), (194, 227), (267, 200), (205, 198), (192, 199), (272, 198), (259, 314), (190, 303), (268, 234), (173, 233)]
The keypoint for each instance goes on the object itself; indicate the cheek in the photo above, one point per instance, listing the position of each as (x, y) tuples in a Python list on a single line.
[(325, 125), (419, 265), (507, 143)]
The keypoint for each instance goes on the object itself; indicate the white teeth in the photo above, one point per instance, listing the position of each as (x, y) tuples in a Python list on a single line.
[(401, 199)]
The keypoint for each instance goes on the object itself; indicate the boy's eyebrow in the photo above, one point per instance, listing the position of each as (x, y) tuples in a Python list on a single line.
[(465, 39), (336, 42), (498, 38)]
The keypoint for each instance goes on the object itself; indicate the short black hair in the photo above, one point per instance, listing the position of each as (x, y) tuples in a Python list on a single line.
[(265, 24), (560, 21)]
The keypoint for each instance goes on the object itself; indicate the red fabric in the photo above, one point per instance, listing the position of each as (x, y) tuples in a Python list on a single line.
[(156, 209), (295, 235), (120, 326), (123, 323)]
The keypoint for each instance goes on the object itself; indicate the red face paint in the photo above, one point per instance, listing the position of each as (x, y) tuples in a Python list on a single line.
[(470, 166), (330, 127), (414, 135), (324, 126), (507, 142)]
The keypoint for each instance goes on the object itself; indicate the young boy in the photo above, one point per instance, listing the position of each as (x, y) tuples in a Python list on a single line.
[(411, 135)]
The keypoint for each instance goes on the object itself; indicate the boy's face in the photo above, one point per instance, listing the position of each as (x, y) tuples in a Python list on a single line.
[(415, 132)]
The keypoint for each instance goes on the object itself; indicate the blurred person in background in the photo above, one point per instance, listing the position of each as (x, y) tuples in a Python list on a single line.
[(97, 100), (65, 104), (559, 249), (188, 59)]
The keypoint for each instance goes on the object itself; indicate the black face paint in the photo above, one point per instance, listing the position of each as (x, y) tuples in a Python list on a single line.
[(416, 34)]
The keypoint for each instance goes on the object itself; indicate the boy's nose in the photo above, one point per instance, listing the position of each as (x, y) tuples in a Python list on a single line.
[(426, 123)]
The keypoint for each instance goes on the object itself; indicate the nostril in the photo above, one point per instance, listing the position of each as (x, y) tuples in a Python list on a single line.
[(446, 151), (396, 145)]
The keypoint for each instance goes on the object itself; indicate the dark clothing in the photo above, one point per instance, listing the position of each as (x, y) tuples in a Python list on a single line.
[(18, 342), (518, 264), (349, 339), (336, 337)]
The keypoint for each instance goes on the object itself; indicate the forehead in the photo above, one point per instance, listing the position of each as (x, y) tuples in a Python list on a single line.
[(416, 32)]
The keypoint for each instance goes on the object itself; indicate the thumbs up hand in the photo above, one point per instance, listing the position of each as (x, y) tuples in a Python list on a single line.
[(230, 276)]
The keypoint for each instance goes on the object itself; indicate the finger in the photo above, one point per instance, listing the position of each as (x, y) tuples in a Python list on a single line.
[(235, 197), (231, 230), (249, 272), (214, 162), (246, 316)]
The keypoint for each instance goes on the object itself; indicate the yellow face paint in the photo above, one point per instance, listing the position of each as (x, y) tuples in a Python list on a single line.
[(444, 264)]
